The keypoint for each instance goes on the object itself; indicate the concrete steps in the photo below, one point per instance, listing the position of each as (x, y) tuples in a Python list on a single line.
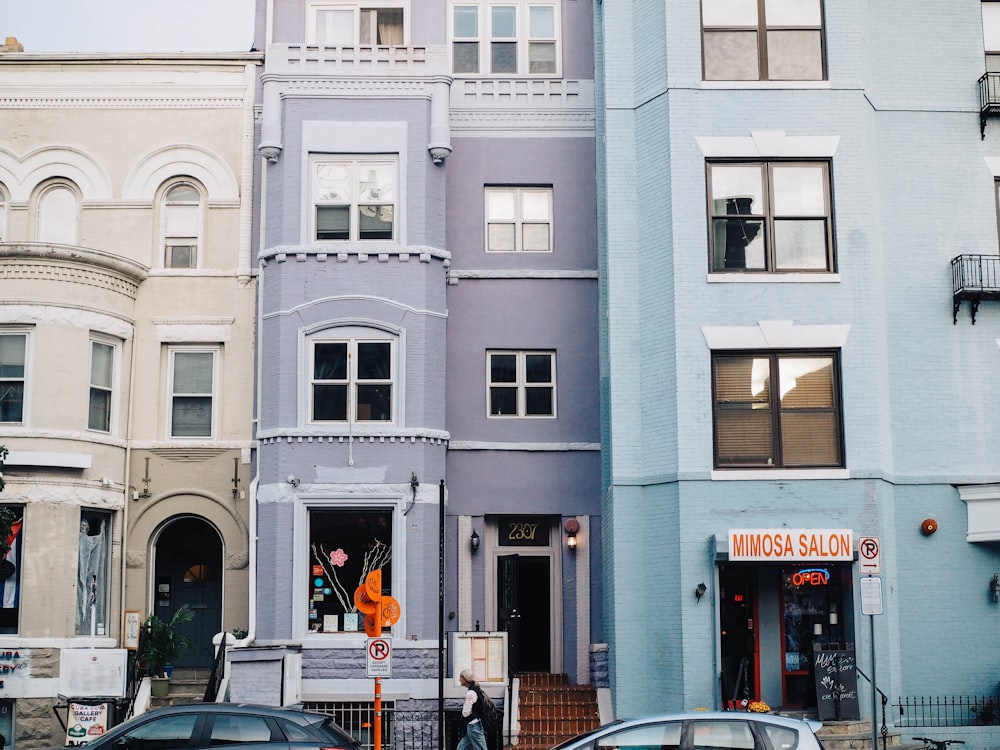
[(186, 686)]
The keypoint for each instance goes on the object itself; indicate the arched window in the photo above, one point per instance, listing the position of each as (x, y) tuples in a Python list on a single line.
[(3, 214), (181, 223), (58, 214)]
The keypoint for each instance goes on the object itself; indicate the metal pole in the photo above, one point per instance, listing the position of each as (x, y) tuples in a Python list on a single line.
[(871, 645), (378, 707), (441, 614)]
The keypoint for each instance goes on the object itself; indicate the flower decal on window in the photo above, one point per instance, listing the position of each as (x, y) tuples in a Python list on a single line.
[(338, 557)]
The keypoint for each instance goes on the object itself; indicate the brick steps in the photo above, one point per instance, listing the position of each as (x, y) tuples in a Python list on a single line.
[(551, 710)]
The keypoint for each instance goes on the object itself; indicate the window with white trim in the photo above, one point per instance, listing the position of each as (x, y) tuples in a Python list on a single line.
[(352, 376), (58, 214), (193, 399), (518, 219), (521, 383), (354, 199), (345, 546), (777, 410), (181, 219), (762, 40), (102, 370), (3, 213), (770, 216), (93, 572), (373, 23), (512, 37), (11, 555), (13, 360)]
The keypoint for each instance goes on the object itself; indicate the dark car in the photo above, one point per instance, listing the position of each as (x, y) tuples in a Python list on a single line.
[(701, 730), (227, 725)]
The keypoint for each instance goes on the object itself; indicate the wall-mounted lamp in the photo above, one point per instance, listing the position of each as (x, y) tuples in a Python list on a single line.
[(293, 480), (699, 590), (145, 494), (572, 528), (474, 541), (995, 587), (236, 477)]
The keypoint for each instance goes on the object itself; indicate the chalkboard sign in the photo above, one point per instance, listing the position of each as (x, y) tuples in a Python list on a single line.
[(836, 675)]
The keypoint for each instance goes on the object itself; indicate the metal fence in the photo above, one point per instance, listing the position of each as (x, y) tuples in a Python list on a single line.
[(401, 729), (948, 711)]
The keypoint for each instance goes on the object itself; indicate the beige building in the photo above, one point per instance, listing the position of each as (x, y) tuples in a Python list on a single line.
[(127, 301)]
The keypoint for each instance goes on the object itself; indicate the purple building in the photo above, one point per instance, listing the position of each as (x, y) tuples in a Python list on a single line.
[(428, 332)]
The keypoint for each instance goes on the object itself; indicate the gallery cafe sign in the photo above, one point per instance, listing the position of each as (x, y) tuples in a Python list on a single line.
[(829, 545)]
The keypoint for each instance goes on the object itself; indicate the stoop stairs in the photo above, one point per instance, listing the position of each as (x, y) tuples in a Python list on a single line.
[(550, 710), (186, 686)]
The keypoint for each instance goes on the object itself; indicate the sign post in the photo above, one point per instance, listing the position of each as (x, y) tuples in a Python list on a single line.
[(380, 611), (871, 605)]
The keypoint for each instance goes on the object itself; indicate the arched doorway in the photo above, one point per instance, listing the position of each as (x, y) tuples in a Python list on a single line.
[(189, 571)]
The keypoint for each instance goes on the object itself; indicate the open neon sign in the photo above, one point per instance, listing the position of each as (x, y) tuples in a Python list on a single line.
[(811, 577)]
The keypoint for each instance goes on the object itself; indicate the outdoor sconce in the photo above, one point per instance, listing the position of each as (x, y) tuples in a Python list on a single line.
[(474, 542), (145, 494), (572, 526), (995, 587), (293, 480), (699, 590)]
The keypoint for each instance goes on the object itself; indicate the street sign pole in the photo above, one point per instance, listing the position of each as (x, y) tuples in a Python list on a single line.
[(871, 646), (871, 605)]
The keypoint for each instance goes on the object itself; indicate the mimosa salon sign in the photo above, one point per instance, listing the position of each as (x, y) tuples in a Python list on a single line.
[(791, 544)]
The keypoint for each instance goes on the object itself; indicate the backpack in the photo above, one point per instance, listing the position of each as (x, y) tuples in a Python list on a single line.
[(489, 714)]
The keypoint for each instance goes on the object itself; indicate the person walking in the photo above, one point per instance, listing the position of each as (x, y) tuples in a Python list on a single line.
[(475, 737)]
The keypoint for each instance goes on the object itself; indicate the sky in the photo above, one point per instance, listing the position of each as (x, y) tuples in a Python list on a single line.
[(129, 25)]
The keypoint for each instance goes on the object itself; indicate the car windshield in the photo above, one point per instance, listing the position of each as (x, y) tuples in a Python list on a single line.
[(584, 735)]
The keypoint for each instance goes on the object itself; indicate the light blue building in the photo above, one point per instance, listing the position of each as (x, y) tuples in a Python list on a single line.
[(428, 333), (784, 187)]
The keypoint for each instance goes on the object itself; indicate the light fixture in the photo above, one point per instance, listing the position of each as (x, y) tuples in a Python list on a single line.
[(474, 541), (995, 587), (293, 480), (699, 590), (571, 526), (136, 494), (236, 477)]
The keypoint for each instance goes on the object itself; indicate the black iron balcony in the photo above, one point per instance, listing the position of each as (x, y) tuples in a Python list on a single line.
[(989, 99), (974, 278)]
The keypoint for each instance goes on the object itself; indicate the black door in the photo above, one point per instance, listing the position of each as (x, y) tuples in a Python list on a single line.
[(523, 611), (189, 571)]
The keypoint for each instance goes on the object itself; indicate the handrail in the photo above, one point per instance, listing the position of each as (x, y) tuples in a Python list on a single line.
[(884, 731), (218, 671)]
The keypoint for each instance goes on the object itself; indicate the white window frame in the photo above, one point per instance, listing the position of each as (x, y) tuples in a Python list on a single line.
[(111, 388), (102, 608), (520, 383), (356, 163), (352, 336), (25, 378), (4, 210), (195, 241), (356, 6), (519, 192), (172, 352), (301, 554), (522, 37), (41, 233)]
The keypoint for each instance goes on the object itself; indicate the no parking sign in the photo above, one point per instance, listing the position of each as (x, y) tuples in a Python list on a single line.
[(379, 657)]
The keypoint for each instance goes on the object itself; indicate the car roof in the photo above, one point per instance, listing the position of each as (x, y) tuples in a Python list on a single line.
[(233, 708), (789, 721)]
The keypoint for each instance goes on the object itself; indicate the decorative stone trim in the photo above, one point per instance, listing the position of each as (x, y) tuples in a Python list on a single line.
[(429, 437), (361, 252)]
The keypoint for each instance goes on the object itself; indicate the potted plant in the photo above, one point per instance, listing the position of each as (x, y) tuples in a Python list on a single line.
[(162, 643)]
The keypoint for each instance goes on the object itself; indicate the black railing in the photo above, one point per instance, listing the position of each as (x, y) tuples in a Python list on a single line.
[(884, 730), (402, 730), (974, 278), (218, 672), (948, 711), (989, 99)]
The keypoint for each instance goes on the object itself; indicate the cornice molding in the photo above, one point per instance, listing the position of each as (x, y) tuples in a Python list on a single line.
[(79, 101)]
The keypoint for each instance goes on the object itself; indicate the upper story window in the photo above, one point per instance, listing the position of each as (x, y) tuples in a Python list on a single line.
[(762, 40), (352, 376), (3, 213), (521, 383), (181, 219), (516, 37), (777, 410), (770, 216), (192, 391), (991, 34), (518, 219), (58, 214), (13, 355), (375, 23), (354, 199), (102, 363)]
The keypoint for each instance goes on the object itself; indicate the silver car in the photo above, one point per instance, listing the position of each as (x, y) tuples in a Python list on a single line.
[(701, 730)]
